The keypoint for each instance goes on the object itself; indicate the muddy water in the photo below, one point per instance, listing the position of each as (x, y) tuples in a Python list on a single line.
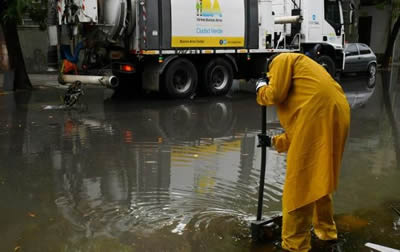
[(156, 175)]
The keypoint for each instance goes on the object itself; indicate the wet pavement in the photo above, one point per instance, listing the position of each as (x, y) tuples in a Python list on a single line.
[(149, 174)]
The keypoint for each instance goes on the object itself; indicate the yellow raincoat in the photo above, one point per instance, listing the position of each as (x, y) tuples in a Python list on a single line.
[(315, 114)]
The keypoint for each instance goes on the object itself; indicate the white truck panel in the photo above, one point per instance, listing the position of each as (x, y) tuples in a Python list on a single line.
[(313, 15), (208, 23), (282, 8), (88, 11), (266, 22)]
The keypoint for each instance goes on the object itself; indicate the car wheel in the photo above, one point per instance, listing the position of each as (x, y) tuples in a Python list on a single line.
[(217, 77), (372, 70), (180, 78), (328, 64)]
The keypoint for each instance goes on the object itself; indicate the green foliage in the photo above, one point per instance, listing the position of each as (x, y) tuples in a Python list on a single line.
[(381, 5), (38, 13), (396, 9), (15, 10)]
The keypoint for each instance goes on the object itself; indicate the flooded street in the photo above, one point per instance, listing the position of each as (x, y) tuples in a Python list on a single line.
[(152, 174)]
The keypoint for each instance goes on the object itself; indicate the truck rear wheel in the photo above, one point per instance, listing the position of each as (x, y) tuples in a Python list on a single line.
[(180, 78), (217, 77), (328, 64)]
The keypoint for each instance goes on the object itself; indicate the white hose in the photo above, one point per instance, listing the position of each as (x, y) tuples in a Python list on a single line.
[(107, 81), (288, 19)]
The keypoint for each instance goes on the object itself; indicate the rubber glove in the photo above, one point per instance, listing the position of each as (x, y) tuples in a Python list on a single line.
[(261, 83)]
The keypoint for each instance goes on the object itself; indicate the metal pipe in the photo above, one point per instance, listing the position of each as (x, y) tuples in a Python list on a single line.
[(288, 20), (263, 163), (107, 81)]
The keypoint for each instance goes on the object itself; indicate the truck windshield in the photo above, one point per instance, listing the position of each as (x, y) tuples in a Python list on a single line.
[(332, 14)]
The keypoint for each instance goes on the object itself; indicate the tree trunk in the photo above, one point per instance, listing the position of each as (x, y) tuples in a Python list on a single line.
[(351, 30), (16, 60), (391, 41)]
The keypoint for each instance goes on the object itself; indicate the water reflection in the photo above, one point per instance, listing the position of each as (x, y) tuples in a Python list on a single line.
[(358, 89), (167, 167), (370, 167)]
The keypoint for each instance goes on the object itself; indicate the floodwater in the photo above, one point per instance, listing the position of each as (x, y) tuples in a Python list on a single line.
[(152, 174)]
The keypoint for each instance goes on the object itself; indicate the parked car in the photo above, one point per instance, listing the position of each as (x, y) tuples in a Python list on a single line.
[(359, 58)]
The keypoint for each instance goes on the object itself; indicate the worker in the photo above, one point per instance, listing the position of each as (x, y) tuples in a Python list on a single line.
[(315, 115)]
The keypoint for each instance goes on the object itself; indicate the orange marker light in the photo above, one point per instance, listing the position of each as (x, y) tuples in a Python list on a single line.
[(128, 136), (127, 68)]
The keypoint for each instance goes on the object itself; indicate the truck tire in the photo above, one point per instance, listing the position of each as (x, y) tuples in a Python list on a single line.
[(328, 64), (217, 77), (180, 78)]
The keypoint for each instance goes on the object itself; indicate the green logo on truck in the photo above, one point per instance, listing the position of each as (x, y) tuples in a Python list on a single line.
[(205, 8)]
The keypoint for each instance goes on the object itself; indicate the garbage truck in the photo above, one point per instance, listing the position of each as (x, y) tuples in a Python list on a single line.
[(183, 47)]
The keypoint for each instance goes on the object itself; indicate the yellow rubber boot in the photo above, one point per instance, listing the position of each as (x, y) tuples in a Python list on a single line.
[(323, 223)]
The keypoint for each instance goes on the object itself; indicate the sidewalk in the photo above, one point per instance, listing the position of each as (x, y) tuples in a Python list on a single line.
[(49, 79)]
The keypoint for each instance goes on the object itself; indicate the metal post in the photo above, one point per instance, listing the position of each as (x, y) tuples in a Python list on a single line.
[(263, 163), (264, 229)]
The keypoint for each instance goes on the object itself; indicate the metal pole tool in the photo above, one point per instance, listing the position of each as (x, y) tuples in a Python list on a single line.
[(263, 144), (269, 228)]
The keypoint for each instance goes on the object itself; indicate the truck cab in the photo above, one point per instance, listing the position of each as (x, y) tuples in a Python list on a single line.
[(321, 26)]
